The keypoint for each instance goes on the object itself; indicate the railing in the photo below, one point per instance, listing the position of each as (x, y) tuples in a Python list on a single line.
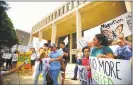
[(57, 13)]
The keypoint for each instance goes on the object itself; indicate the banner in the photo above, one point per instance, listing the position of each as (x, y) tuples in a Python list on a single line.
[(121, 25), (111, 71)]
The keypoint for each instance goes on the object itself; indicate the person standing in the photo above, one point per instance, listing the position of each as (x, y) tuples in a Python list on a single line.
[(9, 61), (86, 63), (78, 62), (33, 57), (14, 59), (101, 48), (54, 68), (123, 51), (65, 60), (40, 67)]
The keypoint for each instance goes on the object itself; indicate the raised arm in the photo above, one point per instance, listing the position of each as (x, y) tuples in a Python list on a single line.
[(12, 70)]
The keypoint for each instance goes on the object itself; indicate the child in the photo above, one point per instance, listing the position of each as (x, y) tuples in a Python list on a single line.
[(85, 62)]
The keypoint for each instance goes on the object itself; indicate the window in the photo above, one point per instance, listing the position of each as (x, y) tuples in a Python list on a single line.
[(59, 12), (51, 17), (74, 43), (55, 15), (63, 9)]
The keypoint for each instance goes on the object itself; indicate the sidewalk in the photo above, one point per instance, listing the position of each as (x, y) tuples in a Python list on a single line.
[(27, 79)]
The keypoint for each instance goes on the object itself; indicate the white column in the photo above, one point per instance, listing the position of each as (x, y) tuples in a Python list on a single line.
[(53, 37), (31, 38), (78, 27), (70, 48), (40, 35), (128, 5)]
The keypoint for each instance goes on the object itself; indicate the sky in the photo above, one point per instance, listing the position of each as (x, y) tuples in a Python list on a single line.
[(25, 15)]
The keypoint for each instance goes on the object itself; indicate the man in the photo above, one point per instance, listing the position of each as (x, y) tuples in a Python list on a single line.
[(65, 57), (78, 56), (123, 51)]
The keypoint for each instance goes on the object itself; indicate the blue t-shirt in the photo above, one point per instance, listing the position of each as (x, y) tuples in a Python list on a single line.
[(123, 52), (103, 50), (55, 64)]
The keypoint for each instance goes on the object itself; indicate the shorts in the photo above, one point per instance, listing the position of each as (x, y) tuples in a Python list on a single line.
[(32, 62)]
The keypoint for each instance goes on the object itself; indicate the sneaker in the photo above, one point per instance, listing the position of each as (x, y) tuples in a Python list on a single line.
[(74, 79)]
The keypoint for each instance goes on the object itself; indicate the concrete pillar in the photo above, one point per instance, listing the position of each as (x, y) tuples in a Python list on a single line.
[(53, 37), (70, 48), (128, 5), (56, 41), (31, 38), (40, 35), (78, 27)]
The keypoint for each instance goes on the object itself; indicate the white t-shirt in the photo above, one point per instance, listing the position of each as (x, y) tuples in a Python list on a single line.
[(14, 57), (33, 56)]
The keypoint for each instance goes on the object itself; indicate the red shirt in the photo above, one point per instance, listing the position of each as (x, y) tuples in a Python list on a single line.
[(85, 62)]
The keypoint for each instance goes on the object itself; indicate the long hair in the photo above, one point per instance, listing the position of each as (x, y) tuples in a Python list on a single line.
[(102, 39)]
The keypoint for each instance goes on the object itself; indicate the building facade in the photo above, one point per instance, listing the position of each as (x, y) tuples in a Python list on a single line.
[(73, 18), (23, 37)]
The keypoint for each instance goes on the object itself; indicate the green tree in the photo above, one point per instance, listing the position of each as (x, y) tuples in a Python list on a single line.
[(7, 33)]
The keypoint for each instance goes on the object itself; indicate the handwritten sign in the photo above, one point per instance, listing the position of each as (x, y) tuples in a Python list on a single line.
[(110, 71), (121, 25)]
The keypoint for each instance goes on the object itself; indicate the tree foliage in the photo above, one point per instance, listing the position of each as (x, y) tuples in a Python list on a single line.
[(7, 33)]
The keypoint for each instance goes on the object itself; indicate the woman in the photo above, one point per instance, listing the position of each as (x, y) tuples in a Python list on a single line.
[(14, 59), (55, 58), (33, 57), (40, 67), (101, 49)]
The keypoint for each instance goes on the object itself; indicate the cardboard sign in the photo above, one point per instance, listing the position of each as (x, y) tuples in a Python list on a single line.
[(111, 71), (121, 25)]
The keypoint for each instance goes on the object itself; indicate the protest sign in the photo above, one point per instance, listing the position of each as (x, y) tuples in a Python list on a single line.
[(121, 25), (82, 42), (22, 48), (7, 55), (110, 71), (66, 40)]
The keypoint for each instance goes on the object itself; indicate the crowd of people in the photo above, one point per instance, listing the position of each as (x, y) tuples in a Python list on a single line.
[(51, 60), (99, 48)]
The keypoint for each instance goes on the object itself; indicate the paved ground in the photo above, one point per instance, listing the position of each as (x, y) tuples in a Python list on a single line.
[(27, 79)]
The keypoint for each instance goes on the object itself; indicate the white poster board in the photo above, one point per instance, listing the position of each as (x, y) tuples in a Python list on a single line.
[(66, 40), (121, 25), (111, 71), (22, 48), (7, 55)]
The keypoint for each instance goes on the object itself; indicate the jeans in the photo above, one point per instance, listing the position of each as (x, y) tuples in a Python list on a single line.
[(38, 71), (54, 75), (75, 71)]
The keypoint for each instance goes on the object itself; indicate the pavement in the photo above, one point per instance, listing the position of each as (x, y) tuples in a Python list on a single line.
[(24, 78)]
